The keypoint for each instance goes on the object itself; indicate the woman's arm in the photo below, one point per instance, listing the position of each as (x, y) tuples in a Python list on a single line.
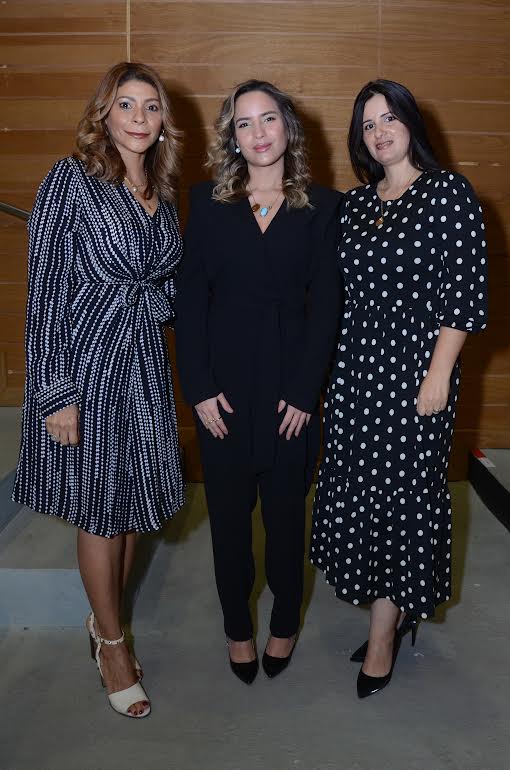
[(435, 387), (323, 312), (192, 324), (463, 294), (52, 224)]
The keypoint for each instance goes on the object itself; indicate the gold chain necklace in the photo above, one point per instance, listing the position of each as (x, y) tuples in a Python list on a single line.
[(135, 187), (380, 221), (264, 210)]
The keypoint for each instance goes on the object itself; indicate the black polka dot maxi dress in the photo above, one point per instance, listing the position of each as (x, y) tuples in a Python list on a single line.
[(100, 289), (382, 516)]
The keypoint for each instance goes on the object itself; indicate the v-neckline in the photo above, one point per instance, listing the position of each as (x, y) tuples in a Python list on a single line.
[(253, 216), (139, 205)]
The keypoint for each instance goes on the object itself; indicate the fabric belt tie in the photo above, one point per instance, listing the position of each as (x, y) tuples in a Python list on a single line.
[(159, 304), (132, 292)]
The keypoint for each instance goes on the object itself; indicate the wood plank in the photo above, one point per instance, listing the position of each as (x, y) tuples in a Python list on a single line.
[(490, 389), (67, 51), (193, 79), (35, 167), (477, 416), (484, 149), (185, 47), (439, 5), (15, 361), (473, 23), (11, 396), (13, 298), (13, 240), (23, 199), (23, 16), (51, 113), (50, 84), (446, 86), (441, 57), (455, 116), (12, 327), (497, 439), (13, 266), (227, 18)]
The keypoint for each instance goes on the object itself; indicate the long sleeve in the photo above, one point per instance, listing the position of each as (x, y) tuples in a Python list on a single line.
[(323, 313), (463, 294), (50, 258), (192, 311)]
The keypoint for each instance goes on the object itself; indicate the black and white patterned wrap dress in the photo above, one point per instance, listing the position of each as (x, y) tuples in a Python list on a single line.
[(100, 289), (382, 516)]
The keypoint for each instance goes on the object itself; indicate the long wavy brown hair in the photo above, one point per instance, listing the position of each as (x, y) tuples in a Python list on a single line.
[(230, 168), (99, 154)]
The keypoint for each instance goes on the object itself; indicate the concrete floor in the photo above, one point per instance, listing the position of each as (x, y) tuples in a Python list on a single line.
[(447, 707), (10, 422)]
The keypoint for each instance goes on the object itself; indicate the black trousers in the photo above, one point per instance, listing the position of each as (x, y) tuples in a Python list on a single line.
[(231, 485)]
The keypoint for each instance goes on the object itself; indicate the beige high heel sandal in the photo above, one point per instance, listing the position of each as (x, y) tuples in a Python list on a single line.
[(122, 700), (89, 625)]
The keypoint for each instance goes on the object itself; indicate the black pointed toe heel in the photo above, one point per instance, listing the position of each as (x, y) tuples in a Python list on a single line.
[(359, 655), (410, 623), (246, 672), (274, 666), (369, 685)]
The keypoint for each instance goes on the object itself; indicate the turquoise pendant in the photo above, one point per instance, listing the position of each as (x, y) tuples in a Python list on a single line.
[(264, 211)]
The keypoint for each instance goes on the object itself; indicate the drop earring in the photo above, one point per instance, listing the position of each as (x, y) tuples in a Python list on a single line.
[(161, 137), (238, 149)]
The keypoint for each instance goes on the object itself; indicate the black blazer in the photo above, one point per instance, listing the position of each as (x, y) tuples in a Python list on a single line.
[(257, 314)]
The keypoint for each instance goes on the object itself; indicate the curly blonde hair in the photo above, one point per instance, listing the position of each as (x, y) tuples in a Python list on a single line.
[(99, 154), (230, 168)]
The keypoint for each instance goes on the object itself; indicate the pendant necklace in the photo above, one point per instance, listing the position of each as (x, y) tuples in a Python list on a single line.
[(135, 187), (264, 210), (380, 221)]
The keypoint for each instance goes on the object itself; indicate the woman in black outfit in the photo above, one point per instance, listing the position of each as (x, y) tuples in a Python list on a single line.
[(413, 254), (258, 305)]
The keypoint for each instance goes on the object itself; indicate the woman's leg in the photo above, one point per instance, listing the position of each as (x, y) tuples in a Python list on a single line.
[(131, 539), (101, 562), (383, 621), (282, 493)]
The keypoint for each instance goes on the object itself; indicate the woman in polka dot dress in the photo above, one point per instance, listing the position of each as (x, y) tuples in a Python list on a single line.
[(413, 256)]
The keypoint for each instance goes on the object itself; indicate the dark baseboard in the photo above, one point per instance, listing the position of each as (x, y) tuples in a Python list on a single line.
[(493, 494)]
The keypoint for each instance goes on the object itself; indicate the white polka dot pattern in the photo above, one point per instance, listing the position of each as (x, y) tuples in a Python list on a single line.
[(101, 285), (382, 517)]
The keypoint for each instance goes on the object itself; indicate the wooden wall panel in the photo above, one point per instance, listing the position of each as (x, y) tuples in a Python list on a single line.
[(316, 18), (52, 55), (64, 16), (218, 48), (455, 57)]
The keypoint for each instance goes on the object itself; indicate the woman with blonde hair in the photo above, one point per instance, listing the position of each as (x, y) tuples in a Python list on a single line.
[(257, 312), (99, 439)]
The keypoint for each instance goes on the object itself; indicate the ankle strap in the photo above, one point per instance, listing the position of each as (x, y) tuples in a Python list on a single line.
[(111, 642)]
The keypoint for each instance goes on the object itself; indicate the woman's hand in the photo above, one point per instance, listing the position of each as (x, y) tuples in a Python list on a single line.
[(433, 394), (293, 421), (209, 414), (64, 425)]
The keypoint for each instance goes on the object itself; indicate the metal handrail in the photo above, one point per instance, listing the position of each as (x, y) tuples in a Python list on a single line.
[(14, 211)]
